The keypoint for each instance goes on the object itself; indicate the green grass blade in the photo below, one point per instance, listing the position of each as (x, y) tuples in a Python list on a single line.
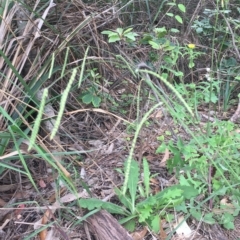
[(129, 160), (83, 67), (63, 103), (38, 119)]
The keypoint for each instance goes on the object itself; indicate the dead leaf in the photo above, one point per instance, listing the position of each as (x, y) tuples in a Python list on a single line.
[(139, 235), (162, 234), (71, 197), (157, 114), (21, 207), (165, 158), (42, 184)]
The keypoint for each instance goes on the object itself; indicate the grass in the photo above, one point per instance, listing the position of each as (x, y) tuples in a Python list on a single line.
[(103, 110)]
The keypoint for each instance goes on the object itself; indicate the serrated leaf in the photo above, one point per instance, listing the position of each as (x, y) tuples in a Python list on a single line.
[(145, 213), (173, 193), (96, 101), (182, 7), (91, 203), (146, 175), (179, 19), (150, 201), (87, 98)]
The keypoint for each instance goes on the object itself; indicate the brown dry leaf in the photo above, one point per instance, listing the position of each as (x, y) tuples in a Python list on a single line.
[(2, 203), (139, 235), (71, 197), (96, 143), (42, 184), (109, 149), (21, 207), (47, 215), (165, 158), (157, 114), (162, 234)]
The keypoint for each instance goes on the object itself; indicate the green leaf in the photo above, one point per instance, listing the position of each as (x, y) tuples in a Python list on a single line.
[(183, 181), (196, 214), (127, 31), (93, 203), (170, 14), (174, 30), (155, 223), (182, 7), (126, 219), (123, 199), (146, 175), (114, 38), (87, 98), (108, 32), (171, 4), (160, 30), (154, 45), (145, 213), (162, 148), (119, 31), (133, 181), (181, 208), (131, 36), (208, 218), (96, 101), (141, 191), (113, 208), (130, 225), (191, 64), (179, 19), (228, 221)]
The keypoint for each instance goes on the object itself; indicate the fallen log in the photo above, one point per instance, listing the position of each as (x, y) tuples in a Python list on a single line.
[(105, 227)]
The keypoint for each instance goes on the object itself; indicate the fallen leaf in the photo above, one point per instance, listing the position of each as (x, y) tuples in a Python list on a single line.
[(42, 184), (162, 234), (139, 235), (165, 158), (21, 207)]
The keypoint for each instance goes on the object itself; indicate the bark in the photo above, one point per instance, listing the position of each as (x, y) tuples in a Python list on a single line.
[(105, 227)]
